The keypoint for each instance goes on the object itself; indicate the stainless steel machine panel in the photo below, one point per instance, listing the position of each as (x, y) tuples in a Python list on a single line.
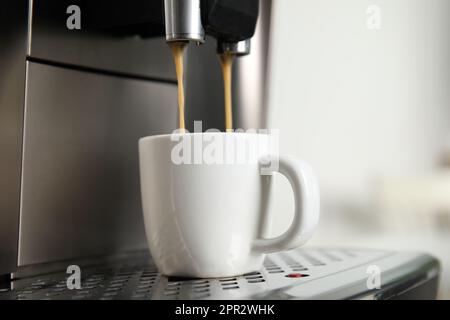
[(13, 39), (80, 183), (52, 41)]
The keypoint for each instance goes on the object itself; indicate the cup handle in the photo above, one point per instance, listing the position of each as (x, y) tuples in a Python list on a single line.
[(307, 207)]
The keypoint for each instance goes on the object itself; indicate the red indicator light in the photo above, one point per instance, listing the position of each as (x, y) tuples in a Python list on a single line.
[(296, 275)]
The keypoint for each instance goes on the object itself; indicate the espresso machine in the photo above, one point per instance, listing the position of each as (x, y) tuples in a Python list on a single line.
[(81, 81)]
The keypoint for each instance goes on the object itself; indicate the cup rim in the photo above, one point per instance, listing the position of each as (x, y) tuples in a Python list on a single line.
[(165, 136)]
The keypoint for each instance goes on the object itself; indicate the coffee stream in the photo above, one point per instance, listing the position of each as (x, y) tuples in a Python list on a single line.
[(177, 52), (226, 61)]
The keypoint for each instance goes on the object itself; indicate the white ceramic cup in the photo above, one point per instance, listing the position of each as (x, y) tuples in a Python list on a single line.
[(203, 219)]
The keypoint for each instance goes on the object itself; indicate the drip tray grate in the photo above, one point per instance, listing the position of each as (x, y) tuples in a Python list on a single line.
[(305, 269)]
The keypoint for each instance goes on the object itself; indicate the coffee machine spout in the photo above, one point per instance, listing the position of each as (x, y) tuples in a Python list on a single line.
[(231, 22), (239, 48), (183, 21)]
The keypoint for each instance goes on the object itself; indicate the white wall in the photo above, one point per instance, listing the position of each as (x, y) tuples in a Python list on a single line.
[(357, 103)]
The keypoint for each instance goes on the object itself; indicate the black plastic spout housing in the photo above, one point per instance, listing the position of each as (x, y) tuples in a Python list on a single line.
[(230, 20)]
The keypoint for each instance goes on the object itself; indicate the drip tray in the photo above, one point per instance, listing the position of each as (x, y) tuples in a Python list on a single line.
[(298, 274)]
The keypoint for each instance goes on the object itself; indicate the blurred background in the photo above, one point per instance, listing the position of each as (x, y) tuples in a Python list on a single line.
[(361, 90)]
